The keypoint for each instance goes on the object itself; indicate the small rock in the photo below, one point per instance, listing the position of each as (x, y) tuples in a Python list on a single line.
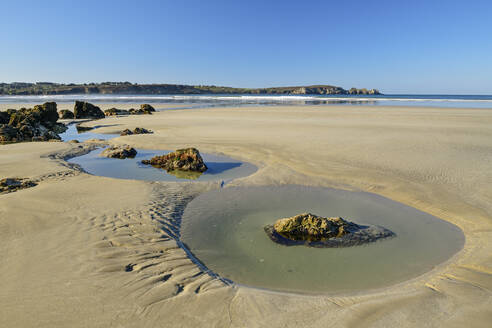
[(12, 184), (115, 111), (65, 114), (144, 109), (128, 132), (120, 152), (147, 108)]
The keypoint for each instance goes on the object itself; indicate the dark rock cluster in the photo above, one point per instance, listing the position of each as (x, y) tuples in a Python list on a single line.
[(84, 109), (128, 132), (12, 184), (144, 109), (30, 124), (115, 112), (188, 159)]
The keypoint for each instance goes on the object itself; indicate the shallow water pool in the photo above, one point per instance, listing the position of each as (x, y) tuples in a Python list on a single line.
[(72, 134), (224, 230), (220, 168)]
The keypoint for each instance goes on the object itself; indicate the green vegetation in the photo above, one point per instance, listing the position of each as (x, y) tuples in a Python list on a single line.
[(48, 88)]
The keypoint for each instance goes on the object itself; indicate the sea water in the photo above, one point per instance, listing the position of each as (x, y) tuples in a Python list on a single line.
[(217, 100)]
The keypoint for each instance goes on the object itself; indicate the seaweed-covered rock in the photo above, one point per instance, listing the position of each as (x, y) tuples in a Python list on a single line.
[(31, 124), (9, 134), (188, 159), (44, 114), (144, 109), (147, 108), (128, 132), (65, 114), (316, 231), (308, 226), (84, 109), (115, 111), (4, 117), (12, 184), (120, 152)]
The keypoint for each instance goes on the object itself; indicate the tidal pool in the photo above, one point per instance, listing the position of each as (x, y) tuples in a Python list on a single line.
[(220, 168), (224, 230)]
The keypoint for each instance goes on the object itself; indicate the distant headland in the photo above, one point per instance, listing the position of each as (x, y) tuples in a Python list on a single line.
[(49, 88)]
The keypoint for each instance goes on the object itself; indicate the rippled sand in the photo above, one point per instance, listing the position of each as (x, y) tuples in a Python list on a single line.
[(80, 250)]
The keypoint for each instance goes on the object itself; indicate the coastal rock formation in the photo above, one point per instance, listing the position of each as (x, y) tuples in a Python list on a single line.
[(316, 231), (188, 159), (120, 152), (363, 91), (147, 108), (115, 112), (84, 109), (65, 114), (144, 109), (128, 132), (12, 184), (31, 124)]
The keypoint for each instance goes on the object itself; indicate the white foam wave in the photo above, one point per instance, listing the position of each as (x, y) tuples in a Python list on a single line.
[(239, 98)]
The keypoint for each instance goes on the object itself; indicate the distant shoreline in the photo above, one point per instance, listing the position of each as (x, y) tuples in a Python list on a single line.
[(122, 88)]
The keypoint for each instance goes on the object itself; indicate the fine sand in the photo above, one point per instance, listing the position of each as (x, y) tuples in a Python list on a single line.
[(86, 251)]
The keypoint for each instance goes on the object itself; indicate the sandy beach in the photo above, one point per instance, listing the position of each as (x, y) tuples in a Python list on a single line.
[(88, 251)]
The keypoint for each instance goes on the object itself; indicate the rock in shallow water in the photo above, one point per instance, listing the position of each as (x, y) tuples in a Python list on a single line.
[(188, 159), (120, 152), (315, 231)]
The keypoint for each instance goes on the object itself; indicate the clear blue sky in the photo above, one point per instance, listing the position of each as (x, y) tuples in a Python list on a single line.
[(395, 46)]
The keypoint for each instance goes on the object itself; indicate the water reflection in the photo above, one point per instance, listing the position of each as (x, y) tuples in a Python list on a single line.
[(75, 132)]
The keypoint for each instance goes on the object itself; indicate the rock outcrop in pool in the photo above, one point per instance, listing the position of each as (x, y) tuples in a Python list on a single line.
[(316, 231), (120, 152), (187, 159)]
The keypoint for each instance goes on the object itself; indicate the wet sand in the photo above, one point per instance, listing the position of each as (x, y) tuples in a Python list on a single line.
[(81, 250)]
